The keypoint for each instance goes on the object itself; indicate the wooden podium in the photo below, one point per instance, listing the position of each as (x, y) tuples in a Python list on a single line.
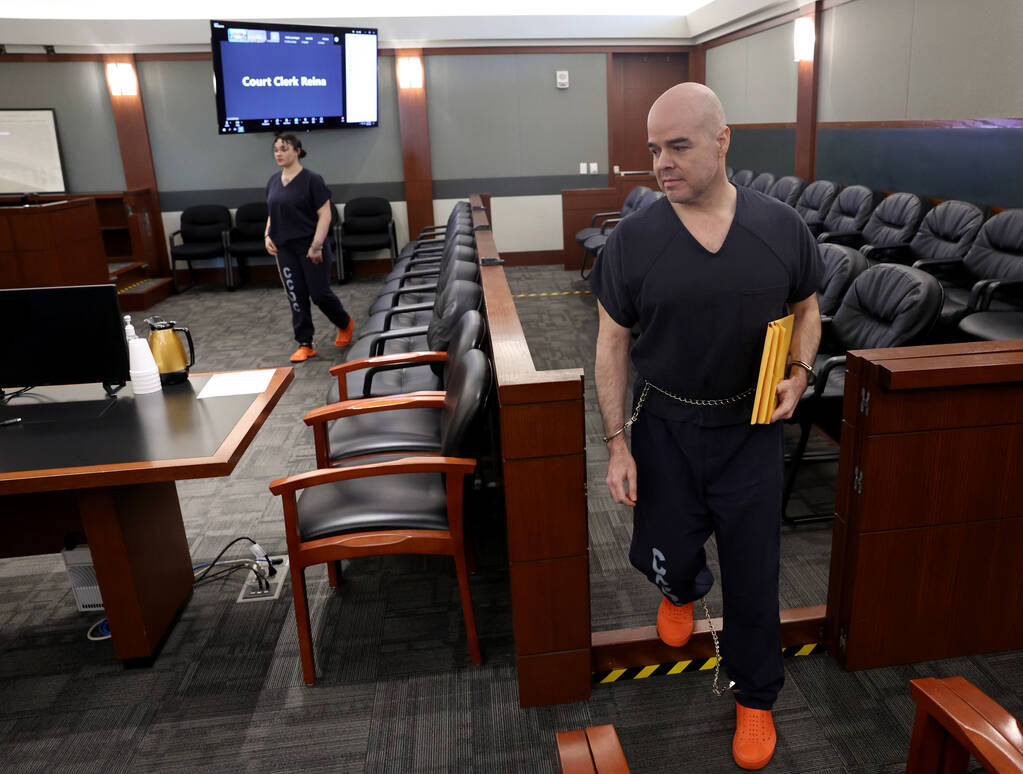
[(57, 243), (925, 559)]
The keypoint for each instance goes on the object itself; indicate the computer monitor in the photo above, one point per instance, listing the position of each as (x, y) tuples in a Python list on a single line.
[(62, 335)]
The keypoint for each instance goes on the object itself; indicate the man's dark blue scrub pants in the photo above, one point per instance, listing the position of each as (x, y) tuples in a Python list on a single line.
[(692, 481)]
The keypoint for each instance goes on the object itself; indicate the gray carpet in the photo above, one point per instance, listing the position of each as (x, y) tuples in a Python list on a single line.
[(395, 689)]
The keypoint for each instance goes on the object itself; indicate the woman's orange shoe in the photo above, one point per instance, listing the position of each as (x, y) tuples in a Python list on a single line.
[(344, 335), (302, 353), (755, 738)]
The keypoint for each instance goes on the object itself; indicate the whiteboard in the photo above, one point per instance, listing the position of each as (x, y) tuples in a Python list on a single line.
[(29, 153)]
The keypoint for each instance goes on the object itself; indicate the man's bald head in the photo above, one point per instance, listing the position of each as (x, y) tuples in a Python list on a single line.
[(688, 102)]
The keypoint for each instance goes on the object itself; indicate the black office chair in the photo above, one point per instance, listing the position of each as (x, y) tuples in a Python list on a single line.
[(246, 240), (368, 224), (787, 189), (942, 240), (888, 305), (203, 235), (433, 236), (407, 506), (815, 201), (849, 212), (840, 266), (994, 267), (894, 221), (762, 182), (632, 202), (743, 177), (729, 171), (594, 245)]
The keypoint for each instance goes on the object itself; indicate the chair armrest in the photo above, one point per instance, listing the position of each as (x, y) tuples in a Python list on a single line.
[(433, 271), (389, 314), (929, 263), (398, 358), (170, 239), (434, 229), (593, 220), (377, 340), (847, 238), (826, 319), (414, 289), (433, 464), (612, 222), (983, 292), (884, 252), (827, 367), (348, 408)]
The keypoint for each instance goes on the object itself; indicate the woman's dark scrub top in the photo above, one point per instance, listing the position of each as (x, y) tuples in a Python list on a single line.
[(293, 206)]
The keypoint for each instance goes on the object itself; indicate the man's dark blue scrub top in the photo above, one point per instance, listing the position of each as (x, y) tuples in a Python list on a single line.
[(703, 316)]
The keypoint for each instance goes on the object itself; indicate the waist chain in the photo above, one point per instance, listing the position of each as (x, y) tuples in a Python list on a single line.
[(681, 399)]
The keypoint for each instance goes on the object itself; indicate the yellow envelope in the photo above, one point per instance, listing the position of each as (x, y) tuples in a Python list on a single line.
[(772, 368), (764, 377)]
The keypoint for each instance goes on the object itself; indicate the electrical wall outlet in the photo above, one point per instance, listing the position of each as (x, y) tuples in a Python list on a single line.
[(593, 167), (582, 167), (250, 589)]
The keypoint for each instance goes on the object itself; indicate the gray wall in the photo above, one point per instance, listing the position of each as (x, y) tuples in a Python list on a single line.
[(755, 77), (195, 165), (498, 123), (77, 91)]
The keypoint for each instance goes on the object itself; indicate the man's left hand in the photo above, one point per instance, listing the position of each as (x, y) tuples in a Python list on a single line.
[(789, 392)]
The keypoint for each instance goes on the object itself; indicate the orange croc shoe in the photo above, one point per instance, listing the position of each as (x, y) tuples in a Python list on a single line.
[(674, 623), (344, 335), (754, 740), (302, 353)]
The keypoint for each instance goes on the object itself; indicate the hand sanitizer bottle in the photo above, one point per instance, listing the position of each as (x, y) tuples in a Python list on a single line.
[(145, 377)]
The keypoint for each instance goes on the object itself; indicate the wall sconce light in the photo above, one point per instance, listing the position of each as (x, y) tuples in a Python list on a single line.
[(803, 38), (121, 79), (410, 72)]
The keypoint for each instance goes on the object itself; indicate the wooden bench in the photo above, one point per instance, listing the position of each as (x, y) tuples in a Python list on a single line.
[(954, 720), (593, 751)]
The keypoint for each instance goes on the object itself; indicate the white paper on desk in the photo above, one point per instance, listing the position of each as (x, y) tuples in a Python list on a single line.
[(236, 383)]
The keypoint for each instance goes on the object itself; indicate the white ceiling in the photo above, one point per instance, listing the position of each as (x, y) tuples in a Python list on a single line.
[(77, 26)]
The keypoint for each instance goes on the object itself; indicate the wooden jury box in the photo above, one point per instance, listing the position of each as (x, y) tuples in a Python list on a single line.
[(926, 550)]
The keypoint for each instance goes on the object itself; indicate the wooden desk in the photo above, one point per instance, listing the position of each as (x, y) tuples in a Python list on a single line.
[(82, 466)]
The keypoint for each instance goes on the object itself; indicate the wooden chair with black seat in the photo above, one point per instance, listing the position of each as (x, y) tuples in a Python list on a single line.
[(246, 240), (413, 505), (339, 435), (203, 235), (888, 305), (367, 224), (956, 720)]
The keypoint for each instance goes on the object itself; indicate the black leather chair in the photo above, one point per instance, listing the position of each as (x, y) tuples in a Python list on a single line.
[(849, 212), (815, 201), (406, 506), (632, 202), (787, 189), (743, 177), (246, 239), (458, 297), (942, 240), (433, 236), (729, 171), (422, 259), (894, 221), (994, 267), (888, 305), (594, 245), (203, 235), (840, 266), (367, 224), (762, 182), (388, 432)]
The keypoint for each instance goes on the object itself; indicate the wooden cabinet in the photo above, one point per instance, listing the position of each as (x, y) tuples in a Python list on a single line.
[(929, 508)]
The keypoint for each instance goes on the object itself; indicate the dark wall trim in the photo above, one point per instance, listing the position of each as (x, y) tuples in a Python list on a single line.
[(514, 186), (175, 201), (952, 123)]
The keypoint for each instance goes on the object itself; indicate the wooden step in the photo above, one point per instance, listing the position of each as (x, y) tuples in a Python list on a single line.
[(126, 273), (144, 293)]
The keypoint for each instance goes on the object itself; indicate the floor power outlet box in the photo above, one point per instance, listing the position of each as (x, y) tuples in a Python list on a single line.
[(250, 589)]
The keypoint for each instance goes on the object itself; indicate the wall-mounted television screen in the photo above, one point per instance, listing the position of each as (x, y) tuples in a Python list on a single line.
[(277, 77)]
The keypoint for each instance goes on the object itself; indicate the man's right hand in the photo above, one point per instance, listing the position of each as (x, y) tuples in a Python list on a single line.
[(621, 472)]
